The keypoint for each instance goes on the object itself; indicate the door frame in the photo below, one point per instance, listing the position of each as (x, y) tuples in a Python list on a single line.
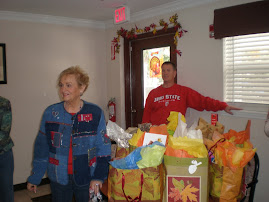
[(127, 68)]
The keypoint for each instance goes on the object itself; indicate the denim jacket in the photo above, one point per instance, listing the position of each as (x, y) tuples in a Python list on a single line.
[(90, 144)]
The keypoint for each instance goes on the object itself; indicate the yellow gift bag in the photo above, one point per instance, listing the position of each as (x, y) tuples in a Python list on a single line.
[(144, 184)]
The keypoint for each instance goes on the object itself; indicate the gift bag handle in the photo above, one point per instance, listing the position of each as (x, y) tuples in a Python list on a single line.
[(136, 199), (210, 150)]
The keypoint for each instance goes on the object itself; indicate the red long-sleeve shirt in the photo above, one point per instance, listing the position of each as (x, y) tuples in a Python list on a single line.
[(161, 101)]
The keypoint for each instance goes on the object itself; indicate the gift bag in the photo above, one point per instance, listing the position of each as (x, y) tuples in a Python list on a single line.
[(225, 184), (186, 179), (122, 152), (229, 155), (144, 184)]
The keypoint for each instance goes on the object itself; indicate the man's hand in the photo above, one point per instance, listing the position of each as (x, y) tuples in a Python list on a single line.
[(31, 187), (229, 108)]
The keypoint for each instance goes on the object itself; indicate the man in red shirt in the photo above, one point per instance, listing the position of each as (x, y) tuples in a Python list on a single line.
[(173, 97)]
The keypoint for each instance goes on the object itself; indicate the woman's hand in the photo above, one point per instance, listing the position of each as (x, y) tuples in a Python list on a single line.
[(229, 108), (31, 187), (96, 185)]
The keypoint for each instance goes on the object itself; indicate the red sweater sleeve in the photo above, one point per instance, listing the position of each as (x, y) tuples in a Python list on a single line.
[(147, 109), (199, 102)]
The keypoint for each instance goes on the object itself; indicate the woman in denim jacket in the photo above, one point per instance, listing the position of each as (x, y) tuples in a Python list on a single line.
[(72, 145)]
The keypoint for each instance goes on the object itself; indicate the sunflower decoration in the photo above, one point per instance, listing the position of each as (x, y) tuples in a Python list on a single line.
[(175, 38), (146, 29), (131, 34), (153, 26), (122, 32), (173, 20), (179, 33), (137, 30), (163, 24)]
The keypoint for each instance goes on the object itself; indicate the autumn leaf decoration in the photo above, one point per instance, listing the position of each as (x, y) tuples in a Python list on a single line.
[(183, 193), (152, 27)]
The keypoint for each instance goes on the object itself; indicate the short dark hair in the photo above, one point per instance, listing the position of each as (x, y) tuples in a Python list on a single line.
[(170, 63)]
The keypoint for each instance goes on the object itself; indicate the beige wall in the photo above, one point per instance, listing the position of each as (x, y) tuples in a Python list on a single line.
[(200, 67), (36, 54)]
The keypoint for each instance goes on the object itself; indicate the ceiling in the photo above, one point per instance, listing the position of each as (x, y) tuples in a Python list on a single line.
[(94, 10)]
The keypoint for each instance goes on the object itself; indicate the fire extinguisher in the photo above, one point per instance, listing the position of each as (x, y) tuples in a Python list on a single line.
[(112, 109)]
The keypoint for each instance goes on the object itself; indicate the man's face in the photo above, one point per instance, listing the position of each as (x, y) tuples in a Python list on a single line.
[(168, 73)]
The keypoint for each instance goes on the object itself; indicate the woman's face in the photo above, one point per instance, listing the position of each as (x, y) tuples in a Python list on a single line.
[(69, 89)]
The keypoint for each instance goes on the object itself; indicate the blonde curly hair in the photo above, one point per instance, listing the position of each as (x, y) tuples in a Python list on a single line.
[(81, 77)]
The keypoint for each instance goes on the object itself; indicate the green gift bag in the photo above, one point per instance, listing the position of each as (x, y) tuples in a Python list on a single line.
[(186, 179)]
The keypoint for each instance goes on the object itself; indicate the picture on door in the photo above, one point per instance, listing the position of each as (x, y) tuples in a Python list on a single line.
[(152, 71)]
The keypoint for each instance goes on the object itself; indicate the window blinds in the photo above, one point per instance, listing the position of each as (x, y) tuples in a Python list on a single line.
[(246, 68)]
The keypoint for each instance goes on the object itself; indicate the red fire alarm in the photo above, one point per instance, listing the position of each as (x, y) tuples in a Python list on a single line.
[(113, 50), (211, 31), (214, 119)]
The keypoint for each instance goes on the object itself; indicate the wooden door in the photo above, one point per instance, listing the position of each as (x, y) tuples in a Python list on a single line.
[(133, 58)]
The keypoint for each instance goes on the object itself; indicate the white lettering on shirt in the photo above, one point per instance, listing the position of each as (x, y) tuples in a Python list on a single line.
[(172, 97), (157, 99), (167, 97)]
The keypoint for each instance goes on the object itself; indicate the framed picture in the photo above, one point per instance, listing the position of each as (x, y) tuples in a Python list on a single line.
[(3, 70)]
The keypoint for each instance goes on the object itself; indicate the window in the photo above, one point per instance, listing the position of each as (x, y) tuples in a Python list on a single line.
[(152, 61), (246, 70)]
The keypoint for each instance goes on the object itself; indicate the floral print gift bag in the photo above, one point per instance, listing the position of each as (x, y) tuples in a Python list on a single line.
[(186, 179)]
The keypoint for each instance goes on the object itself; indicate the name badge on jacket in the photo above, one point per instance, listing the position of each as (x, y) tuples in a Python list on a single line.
[(85, 117)]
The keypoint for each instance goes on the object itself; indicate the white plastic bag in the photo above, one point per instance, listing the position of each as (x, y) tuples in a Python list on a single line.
[(117, 134)]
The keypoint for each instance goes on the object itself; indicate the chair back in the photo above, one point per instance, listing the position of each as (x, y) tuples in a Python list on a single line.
[(252, 172)]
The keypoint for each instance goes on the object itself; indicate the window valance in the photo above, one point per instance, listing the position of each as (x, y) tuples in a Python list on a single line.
[(250, 18)]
